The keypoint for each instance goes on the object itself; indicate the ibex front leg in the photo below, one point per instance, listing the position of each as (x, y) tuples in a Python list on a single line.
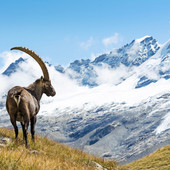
[(33, 121)]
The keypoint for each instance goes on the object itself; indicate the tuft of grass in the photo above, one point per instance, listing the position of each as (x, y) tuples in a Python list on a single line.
[(160, 159), (45, 154)]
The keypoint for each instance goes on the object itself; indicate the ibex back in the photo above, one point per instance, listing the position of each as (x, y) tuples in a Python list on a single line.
[(23, 103)]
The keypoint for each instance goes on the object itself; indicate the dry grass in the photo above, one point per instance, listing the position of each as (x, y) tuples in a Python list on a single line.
[(50, 155), (159, 160)]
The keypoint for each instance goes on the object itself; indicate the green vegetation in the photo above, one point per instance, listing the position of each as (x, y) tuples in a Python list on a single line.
[(159, 160)]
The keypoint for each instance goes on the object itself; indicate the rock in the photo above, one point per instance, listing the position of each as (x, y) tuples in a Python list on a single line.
[(35, 152), (98, 166), (4, 141), (2, 145)]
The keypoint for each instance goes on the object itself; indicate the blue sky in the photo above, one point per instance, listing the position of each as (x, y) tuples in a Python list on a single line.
[(61, 31)]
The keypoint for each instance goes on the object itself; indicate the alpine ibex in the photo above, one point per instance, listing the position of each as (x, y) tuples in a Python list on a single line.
[(23, 103)]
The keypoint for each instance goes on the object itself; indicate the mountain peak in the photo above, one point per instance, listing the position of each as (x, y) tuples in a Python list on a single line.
[(13, 67), (86, 71), (145, 38)]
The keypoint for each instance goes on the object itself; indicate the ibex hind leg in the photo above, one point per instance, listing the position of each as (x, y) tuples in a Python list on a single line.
[(25, 133), (13, 121), (25, 129)]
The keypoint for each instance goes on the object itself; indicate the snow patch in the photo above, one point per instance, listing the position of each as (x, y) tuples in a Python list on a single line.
[(143, 38), (165, 125)]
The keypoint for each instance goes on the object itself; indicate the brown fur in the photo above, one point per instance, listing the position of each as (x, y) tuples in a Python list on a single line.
[(23, 104)]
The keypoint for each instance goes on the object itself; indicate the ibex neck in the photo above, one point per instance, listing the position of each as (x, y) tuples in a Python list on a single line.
[(36, 90)]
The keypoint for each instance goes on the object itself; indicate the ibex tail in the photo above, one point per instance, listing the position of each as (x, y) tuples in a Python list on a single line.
[(17, 99)]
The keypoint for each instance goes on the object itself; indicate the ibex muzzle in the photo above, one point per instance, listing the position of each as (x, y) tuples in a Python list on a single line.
[(23, 103)]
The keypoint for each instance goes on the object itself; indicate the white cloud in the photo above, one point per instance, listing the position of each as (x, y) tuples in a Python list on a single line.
[(165, 124), (112, 76), (114, 52), (70, 94), (9, 57), (87, 44), (115, 39), (29, 72)]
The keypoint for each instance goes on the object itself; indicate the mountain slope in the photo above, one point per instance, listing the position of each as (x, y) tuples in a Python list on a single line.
[(108, 129), (116, 106), (13, 67), (46, 154), (157, 160)]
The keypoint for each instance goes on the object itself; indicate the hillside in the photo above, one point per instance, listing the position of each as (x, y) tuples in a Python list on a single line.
[(157, 160), (45, 154), (116, 101)]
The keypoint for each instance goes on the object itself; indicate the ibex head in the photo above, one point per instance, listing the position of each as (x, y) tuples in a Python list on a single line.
[(48, 89), (46, 85)]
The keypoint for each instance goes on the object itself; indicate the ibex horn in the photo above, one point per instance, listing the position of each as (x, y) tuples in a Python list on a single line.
[(37, 58)]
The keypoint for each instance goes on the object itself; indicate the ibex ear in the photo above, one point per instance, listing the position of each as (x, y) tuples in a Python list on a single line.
[(42, 78)]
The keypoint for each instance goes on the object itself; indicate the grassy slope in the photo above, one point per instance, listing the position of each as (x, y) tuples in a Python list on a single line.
[(51, 155), (159, 160)]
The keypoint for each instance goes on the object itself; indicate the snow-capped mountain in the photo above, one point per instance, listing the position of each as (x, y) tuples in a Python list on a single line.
[(13, 67), (115, 106), (130, 55), (87, 72)]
